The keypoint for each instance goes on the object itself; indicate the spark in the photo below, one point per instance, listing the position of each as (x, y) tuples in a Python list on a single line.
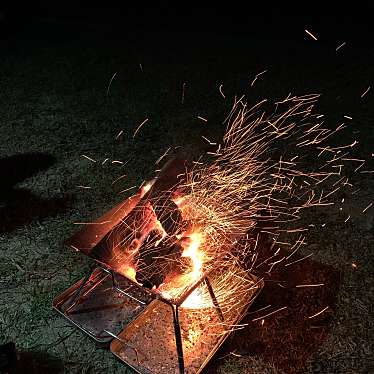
[(367, 171), (297, 246), (91, 223), (310, 285), (354, 265), (369, 206), (202, 118), (269, 314), (84, 187), (110, 83), (213, 153), (117, 162), (259, 310), (119, 134), (88, 158), (318, 313), (183, 91), (347, 219), (301, 259), (221, 92), (256, 77), (281, 285), (360, 166), (162, 156), (210, 142), (366, 91), (310, 34), (127, 189), (340, 46), (235, 354), (139, 127), (118, 179), (141, 67), (348, 117), (104, 161)]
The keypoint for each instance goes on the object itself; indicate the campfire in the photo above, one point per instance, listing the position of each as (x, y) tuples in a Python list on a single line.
[(175, 261), (156, 295)]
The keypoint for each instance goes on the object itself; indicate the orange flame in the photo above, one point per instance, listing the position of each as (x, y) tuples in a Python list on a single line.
[(191, 249), (129, 272)]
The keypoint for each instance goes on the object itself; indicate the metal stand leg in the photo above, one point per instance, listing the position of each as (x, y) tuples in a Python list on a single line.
[(178, 338), (214, 299), (78, 292), (113, 278)]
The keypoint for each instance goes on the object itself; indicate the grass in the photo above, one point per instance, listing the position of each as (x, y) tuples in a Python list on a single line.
[(54, 102)]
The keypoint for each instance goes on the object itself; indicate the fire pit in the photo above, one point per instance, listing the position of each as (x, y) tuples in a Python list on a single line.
[(156, 296), (175, 260)]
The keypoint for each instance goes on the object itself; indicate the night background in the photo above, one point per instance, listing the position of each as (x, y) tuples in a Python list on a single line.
[(59, 102)]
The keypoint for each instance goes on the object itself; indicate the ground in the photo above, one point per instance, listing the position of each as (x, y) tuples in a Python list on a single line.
[(57, 105)]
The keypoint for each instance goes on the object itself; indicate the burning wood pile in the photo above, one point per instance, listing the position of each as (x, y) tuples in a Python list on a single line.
[(175, 260), (154, 293)]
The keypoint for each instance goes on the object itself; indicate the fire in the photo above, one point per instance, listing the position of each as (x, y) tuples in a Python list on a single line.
[(193, 251), (161, 230), (206, 220), (196, 300), (129, 272), (191, 244)]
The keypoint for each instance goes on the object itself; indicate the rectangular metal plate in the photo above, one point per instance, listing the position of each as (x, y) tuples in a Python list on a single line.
[(101, 306), (148, 343)]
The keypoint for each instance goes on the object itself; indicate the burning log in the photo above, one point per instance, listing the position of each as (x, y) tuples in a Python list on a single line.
[(169, 215), (154, 265), (162, 251)]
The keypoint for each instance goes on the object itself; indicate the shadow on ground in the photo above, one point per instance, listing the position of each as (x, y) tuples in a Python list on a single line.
[(287, 339), (38, 362), (17, 362), (19, 206)]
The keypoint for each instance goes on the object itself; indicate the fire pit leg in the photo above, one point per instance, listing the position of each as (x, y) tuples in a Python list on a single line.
[(79, 291), (114, 282), (178, 338), (214, 299)]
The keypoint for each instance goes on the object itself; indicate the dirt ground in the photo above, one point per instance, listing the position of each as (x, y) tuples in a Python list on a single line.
[(56, 105)]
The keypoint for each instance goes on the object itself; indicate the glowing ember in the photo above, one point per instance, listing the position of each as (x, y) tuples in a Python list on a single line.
[(197, 300), (129, 272)]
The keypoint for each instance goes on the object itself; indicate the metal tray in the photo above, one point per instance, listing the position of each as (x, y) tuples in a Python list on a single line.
[(148, 344), (102, 309)]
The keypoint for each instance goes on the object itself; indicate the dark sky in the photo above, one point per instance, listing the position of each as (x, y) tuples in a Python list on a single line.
[(344, 20)]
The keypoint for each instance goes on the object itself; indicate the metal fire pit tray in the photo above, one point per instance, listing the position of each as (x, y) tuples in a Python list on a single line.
[(148, 344), (101, 307)]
